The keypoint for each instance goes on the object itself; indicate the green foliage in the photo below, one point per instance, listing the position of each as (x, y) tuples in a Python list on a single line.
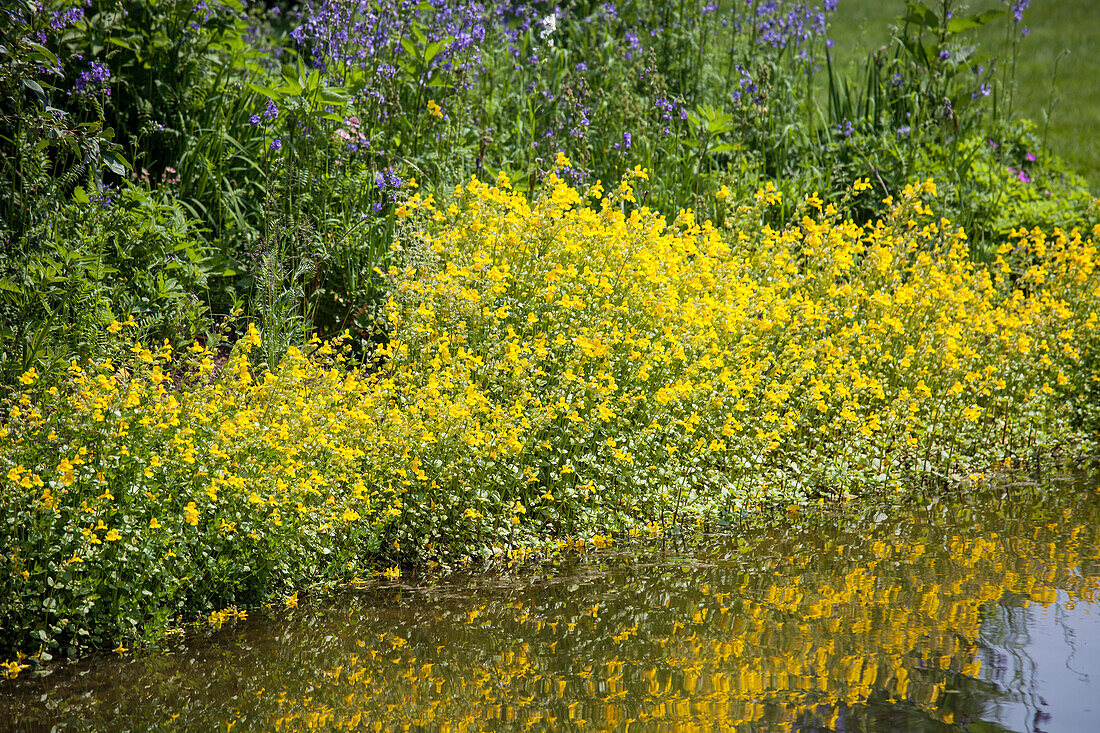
[(287, 154), (186, 506), (139, 256), (557, 370)]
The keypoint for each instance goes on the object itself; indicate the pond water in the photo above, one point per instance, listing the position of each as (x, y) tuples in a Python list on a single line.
[(976, 613)]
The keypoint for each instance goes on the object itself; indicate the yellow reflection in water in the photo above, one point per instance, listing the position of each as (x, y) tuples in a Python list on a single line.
[(812, 622), (824, 625)]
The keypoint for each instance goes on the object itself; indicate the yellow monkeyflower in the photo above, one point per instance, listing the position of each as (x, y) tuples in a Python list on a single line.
[(434, 109), (12, 668)]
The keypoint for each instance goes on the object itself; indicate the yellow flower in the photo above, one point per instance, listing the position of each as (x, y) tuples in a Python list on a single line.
[(154, 524), (29, 377), (112, 535), (723, 192), (292, 600), (350, 515), (115, 327), (191, 514), (434, 109), (12, 668)]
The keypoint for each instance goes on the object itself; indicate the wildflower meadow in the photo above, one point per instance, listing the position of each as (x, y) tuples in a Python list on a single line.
[(298, 294)]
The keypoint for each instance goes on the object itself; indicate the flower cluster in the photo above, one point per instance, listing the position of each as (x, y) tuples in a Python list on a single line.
[(568, 366), (93, 81)]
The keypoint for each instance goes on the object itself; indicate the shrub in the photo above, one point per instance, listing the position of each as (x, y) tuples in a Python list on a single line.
[(569, 366), (134, 252)]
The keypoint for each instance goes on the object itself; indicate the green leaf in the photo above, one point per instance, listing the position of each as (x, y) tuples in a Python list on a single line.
[(34, 87), (921, 14), (333, 96), (989, 15), (291, 86), (433, 50), (265, 91), (410, 48), (960, 24), (115, 162)]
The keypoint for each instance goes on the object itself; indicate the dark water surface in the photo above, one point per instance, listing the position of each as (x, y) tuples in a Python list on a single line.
[(976, 614)]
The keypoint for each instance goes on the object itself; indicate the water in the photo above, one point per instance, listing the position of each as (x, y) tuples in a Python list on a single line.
[(976, 614)]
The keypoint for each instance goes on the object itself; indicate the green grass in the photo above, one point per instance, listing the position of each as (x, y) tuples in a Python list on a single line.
[(1066, 32)]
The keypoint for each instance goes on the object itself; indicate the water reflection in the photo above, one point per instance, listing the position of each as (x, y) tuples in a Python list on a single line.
[(1044, 661), (978, 614)]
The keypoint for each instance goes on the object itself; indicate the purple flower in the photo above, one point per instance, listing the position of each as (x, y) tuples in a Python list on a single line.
[(93, 81), (1030, 157), (845, 128), (62, 20), (276, 144), (254, 119), (271, 112), (1023, 176), (903, 131), (626, 140), (983, 91), (944, 55)]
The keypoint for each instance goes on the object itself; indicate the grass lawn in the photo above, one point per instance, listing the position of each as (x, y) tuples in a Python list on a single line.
[(1057, 26)]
